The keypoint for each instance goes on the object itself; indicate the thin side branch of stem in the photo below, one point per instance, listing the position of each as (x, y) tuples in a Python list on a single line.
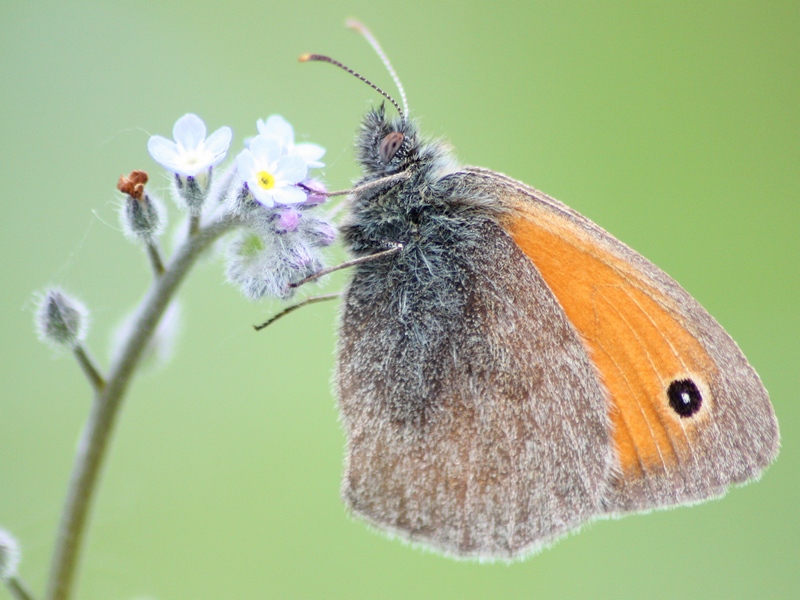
[(90, 370), (155, 259), (105, 407), (194, 225), (18, 589), (350, 263), (294, 307)]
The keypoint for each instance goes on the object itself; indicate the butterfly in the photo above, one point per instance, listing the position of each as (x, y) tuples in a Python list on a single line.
[(508, 371)]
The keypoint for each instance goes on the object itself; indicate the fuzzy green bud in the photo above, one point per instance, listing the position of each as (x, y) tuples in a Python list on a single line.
[(263, 265), (141, 216), (191, 192), (61, 319)]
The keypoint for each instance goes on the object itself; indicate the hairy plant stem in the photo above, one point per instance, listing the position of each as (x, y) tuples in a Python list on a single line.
[(194, 225), (18, 589), (90, 370), (155, 259), (105, 407)]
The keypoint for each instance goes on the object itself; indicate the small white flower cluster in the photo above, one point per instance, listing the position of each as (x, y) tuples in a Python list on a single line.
[(268, 188)]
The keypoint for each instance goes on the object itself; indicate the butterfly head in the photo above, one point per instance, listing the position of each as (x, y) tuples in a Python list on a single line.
[(388, 145)]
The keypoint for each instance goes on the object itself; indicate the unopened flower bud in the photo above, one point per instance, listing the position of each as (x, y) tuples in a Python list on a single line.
[(61, 319), (318, 232), (288, 220), (191, 192), (314, 185), (9, 555), (265, 265), (142, 215)]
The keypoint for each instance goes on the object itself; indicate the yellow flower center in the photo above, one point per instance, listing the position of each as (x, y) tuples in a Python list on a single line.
[(265, 180)]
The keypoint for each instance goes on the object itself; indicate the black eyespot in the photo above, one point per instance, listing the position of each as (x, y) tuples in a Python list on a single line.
[(390, 144), (684, 397)]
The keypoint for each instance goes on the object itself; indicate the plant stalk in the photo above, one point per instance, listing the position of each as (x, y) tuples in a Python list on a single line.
[(155, 259), (105, 408), (90, 370)]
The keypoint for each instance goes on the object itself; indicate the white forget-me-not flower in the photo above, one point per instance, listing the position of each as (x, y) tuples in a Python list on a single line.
[(191, 153), (271, 174), (278, 128), (191, 157)]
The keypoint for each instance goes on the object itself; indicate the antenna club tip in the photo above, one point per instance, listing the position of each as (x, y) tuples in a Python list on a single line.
[(352, 23), (305, 57)]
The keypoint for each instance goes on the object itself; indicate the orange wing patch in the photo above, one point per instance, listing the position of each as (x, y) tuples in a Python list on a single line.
[(632, 332)]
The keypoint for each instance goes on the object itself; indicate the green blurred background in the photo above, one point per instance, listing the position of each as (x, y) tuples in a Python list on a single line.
[(675, 125)]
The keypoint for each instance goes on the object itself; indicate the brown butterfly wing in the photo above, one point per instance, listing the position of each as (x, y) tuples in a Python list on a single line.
[(689, 415), (475, 420)]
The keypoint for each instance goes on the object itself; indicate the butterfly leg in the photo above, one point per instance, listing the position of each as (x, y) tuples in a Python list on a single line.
[(389, 179), (395, 247), (293, 307)]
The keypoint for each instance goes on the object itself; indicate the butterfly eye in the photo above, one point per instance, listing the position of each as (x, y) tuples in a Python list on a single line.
[(390, 144)]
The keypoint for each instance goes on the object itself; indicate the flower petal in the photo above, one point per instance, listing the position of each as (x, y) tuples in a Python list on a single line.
[(219, 142), (189, 131), (311, 153), (245, 165), (266, 151), (292, 169), (277, 127), (263, 196), (163, 151), (288, 195)]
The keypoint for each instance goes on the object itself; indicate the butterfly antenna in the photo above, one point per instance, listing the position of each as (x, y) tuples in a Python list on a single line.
[(328, 59), (362, 29)]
